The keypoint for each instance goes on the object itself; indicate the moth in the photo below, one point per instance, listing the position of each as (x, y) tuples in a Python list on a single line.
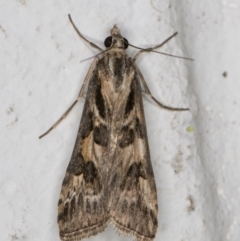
[(110, 178)]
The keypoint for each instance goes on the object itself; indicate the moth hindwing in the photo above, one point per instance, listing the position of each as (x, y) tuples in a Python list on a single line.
[(110, 178)]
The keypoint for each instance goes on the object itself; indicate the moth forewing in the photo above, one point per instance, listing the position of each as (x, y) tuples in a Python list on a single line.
[(110, 178)]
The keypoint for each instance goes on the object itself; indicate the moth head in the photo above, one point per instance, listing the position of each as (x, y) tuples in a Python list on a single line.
[(116, 40)]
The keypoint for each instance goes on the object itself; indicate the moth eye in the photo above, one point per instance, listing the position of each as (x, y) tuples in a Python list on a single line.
[(108, 42), (125, 41)]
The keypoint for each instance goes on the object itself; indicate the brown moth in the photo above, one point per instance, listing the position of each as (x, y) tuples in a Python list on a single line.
[(110, 178)]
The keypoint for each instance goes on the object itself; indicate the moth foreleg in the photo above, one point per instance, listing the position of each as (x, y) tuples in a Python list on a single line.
[(81, 36), (81, 93), (148, 92)]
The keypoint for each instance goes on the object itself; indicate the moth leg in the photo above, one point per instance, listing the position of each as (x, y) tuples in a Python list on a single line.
[(81, 36), (148, 92), (151, 49), (81, 94)]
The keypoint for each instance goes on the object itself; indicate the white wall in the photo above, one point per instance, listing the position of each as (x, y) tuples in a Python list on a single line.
[(197, 173)]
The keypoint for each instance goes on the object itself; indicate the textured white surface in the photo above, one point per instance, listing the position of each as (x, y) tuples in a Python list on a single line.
[(197, 173)]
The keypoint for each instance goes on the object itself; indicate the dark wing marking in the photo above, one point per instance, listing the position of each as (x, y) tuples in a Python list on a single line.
[(82, 208), (135, 209)]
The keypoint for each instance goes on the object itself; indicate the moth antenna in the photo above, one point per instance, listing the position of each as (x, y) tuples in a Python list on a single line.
[(171, 55), (149, 50), (96, 55), (152, 49)]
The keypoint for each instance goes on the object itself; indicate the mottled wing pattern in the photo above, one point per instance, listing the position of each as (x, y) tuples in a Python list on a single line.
[(110, 177), (82, 208), (133, 206)]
